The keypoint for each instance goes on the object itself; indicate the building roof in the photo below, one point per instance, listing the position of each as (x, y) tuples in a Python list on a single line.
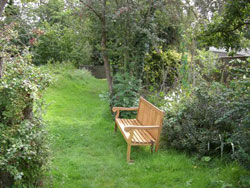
[(222, 52)]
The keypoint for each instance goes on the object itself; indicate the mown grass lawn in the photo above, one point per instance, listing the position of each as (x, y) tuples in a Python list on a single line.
[(87, 153)]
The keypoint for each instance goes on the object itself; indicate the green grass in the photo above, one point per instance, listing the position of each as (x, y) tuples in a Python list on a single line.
[(87, 153)]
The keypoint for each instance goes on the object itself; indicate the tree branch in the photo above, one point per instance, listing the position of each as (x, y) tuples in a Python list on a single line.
[(221, 30), (2, 5), (92, 9)]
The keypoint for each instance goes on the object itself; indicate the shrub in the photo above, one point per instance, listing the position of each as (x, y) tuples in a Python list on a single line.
[(239, 113), (23, 151), (190, 124), (161, 69), (126, 90), (213, 120)]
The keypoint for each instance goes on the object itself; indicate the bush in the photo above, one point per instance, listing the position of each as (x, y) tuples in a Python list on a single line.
[(213, 120), (23, 151), (190, 123), (161, 69), (239, 113), (126, 90)]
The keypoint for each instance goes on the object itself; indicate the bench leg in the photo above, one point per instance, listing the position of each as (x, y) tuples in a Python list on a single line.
[(115, 127), (156, 147), (128, 153)]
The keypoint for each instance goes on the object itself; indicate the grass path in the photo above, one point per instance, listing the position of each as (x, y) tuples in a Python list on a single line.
[(87, 153)]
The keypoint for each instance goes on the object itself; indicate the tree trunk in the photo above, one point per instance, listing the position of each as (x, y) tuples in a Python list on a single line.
[(1, 67), (28, 112), (2, 5), (104, 48)]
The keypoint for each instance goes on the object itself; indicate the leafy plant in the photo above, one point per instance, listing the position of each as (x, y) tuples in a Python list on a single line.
[(161, 69), (230, 29), (60, 44), (213, 120), (190, 124), (239, 113), (23, 139), (126, 90)]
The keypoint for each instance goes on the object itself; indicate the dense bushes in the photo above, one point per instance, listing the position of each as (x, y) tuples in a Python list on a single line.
[(190, 123), (23, 148), (161, 69), (23, 151), (213, 119), (58, 44)]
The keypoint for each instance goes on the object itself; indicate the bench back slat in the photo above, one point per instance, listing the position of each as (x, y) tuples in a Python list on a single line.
[(148, 114)]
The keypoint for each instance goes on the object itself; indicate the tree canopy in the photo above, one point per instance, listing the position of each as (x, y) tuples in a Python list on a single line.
[(230, 29)]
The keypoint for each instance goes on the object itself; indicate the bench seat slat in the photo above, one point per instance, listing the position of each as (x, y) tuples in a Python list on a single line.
[(140, 136), (135, 137), (145, 133)]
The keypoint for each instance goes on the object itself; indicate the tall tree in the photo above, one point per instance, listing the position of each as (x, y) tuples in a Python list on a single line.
[(101, 14)]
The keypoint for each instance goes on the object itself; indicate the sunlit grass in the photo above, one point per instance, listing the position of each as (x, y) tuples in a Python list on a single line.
[(87, 153)]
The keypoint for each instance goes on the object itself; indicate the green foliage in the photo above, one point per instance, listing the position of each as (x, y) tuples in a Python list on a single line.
[(230, 29), (125, 91), (24, 151), (133, 29), (156, 98), (209, 68), (23, 139), (53, 12), (190, 121), (51, 30), (15, 14), (161, 68), (60, 44), (213, 120), (239, 113), (80, 75)]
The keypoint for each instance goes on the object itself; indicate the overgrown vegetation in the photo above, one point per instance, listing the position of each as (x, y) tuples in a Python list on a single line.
[(213, 118), (161, 69), (23, 139), (126, 92), (230, 28), (87, 152), (56, 44), (157, 49)]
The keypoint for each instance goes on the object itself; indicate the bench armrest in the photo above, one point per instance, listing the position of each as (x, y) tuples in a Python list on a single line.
[(131, 127), (118, 109), (115, 109)]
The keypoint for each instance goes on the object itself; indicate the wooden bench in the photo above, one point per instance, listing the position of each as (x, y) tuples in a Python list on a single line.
[(144, 130)]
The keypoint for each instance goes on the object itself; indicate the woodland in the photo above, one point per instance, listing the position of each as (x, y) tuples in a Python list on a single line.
[(56, 124)]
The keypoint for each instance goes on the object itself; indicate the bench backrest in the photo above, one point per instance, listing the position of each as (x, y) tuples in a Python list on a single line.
[(148, 114)]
